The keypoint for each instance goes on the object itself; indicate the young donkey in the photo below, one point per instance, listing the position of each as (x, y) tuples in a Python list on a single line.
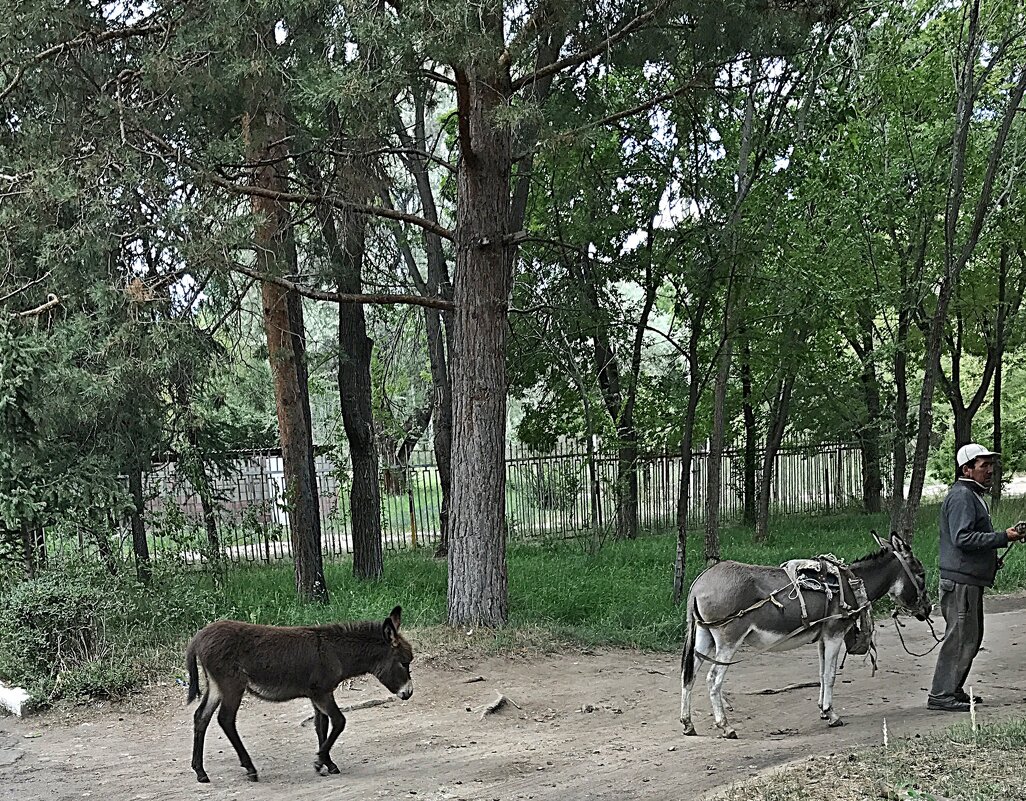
[(279, 663)]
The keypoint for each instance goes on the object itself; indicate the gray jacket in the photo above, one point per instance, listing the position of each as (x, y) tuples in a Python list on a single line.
[(968, 541)]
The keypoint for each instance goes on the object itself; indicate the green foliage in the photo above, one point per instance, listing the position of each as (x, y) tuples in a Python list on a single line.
[(77, 630)]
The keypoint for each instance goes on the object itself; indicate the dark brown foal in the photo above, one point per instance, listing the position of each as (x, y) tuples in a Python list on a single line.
[(279, 663)]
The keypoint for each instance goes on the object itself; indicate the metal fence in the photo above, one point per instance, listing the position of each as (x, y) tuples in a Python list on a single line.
[(551, 495), (564, 493)]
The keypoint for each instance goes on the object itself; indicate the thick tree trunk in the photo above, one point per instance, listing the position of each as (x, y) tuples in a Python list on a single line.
[(286, 352), (140, 547), (477, 592)]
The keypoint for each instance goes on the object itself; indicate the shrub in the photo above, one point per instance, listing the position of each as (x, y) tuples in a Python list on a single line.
[(53, 625)]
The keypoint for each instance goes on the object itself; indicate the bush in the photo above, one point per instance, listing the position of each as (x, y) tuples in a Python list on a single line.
[(53, 625), (77, 631)]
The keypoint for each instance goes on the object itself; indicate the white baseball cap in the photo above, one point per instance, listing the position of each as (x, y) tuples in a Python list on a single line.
[(972, 451)]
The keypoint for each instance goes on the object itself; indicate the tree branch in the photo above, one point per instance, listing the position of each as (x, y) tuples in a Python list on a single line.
[(341, 297), (597, 49)]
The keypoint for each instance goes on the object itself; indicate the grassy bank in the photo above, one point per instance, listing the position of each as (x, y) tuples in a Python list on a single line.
[(981, 765), (81, 631)]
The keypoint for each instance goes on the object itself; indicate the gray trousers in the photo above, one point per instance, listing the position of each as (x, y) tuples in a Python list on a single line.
[(962, 607)]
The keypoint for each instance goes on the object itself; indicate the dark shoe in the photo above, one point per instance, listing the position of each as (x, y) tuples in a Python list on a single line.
[(947, 704), (962, 695)]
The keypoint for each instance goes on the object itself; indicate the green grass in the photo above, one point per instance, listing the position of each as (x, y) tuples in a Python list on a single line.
[(560, 591)]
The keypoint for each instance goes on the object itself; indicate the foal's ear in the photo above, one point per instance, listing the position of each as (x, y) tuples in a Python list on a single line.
[(391, 625)]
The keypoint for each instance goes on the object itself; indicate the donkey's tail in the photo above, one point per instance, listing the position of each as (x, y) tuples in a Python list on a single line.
[(190, 662), (687, 658)]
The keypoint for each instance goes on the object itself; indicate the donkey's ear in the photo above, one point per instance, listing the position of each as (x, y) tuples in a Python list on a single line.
[(390, 628), (898, 543), (877, 539)]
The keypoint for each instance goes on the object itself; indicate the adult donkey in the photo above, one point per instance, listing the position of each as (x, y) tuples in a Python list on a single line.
[(732, 604), (279, 663)]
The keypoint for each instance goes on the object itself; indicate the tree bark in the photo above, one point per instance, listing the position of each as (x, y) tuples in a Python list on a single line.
[(354, 383), (286, 351), (751, 432), (869, 435), (477, 592), (775, 435), (714, 474), (140, 547)]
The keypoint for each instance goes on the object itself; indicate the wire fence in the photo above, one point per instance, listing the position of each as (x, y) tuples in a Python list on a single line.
[(566, 493)]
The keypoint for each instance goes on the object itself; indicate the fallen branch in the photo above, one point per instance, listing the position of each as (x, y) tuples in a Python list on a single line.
[(773, 691), (353, 707), (498, 704), (474, 679)]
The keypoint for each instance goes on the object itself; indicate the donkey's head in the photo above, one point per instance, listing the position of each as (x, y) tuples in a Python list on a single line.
[(394, 668), (908, 589)]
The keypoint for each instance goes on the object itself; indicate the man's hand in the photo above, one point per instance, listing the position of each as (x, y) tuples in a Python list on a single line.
[(1017, 532)]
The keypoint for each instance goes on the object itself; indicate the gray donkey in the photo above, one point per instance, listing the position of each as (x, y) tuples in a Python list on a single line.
[(733, 604), (279, 663)]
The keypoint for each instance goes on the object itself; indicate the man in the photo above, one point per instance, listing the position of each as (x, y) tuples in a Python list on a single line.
[(968, 563)]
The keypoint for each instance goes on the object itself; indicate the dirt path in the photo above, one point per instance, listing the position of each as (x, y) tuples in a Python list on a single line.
[(590, 725)]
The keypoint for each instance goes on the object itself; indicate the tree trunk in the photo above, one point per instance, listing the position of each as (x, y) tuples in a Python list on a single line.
[(687, 456), (751, 431), (286, 346), (477, 592), (899, 445), (354, 383), (869, 436), (627, 485), (716, 443), (774, 436), (141, 549)]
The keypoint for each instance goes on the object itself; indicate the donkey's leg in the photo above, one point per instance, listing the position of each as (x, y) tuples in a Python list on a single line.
[(831, 653), (200, 720), (822, 683), (724, 653), (226, 717), (703, 645), (329, 709), (321, 725)]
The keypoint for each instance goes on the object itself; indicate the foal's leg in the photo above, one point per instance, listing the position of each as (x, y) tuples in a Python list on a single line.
[(321, 726), (328, 709), (703, 645), (226, 717), (200, 720), (831, 646)]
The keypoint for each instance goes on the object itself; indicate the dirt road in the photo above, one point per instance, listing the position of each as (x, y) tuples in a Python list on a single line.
[(590, 725)]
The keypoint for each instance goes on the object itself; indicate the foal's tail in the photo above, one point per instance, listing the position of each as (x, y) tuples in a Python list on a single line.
[(190, 662), (687, 659)]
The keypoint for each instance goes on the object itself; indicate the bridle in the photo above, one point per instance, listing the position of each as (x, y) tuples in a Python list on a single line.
[(922, 599)]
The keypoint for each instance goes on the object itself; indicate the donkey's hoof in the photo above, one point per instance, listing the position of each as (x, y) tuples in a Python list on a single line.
[(333, 768), (202, 778), (689, 729), (833, 724), (252, 776), (824, 716)]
